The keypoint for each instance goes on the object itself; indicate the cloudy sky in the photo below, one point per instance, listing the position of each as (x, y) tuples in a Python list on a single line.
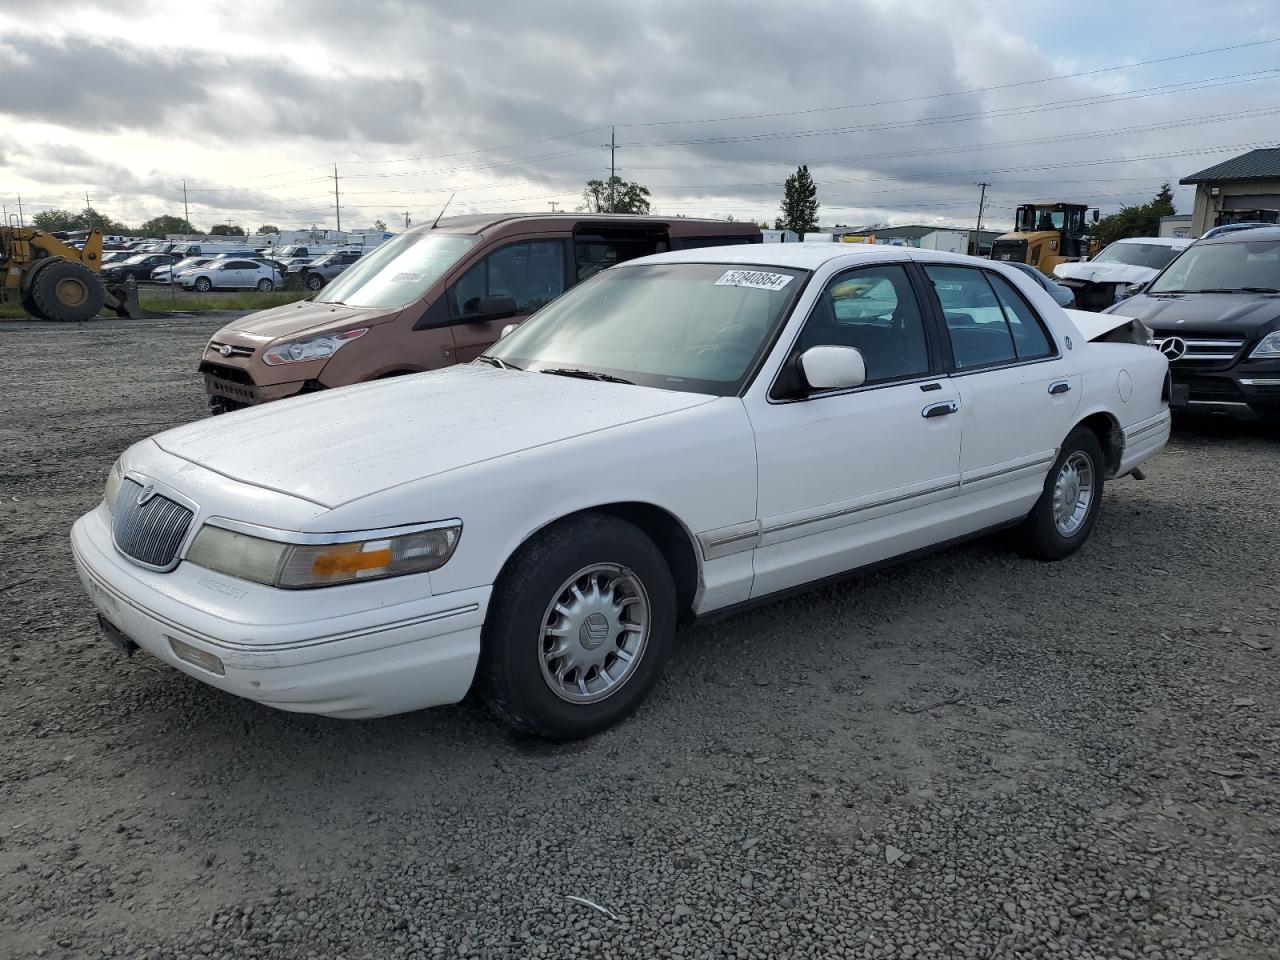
[(899, 109)]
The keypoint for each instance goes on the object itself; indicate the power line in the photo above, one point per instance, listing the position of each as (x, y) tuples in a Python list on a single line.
[(961, 93), (1048, 106)]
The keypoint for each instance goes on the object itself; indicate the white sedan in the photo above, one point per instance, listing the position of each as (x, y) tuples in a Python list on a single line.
[(232, 274), (682, 434)]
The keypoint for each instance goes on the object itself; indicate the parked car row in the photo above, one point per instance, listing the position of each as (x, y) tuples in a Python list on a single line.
[(706, 423)]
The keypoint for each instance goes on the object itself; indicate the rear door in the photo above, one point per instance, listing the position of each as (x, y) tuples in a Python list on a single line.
[(1018, 390)]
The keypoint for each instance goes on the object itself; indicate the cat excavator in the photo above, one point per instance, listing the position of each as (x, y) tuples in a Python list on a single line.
[(54, 280)]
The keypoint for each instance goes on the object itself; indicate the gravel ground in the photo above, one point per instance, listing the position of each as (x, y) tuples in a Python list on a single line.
[(972, 755)]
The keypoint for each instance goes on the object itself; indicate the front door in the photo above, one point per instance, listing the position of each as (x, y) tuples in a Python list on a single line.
[(531, 272), (850, 477), (1018, 388)]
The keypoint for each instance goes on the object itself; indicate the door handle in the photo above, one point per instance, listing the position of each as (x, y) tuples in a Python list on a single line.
[(927, 387), (940, 409), (1059, 387)]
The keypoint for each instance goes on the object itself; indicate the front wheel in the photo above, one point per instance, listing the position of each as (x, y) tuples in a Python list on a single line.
[(203, 284), (579, 628), (265, 285), (1064, 516)]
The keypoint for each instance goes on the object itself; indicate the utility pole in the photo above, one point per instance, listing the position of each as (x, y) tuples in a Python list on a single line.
[(406, 219), (554, 204), (982, 202), (613, 170), (87, 208), (337, 209), (186, 216), (21, 222)]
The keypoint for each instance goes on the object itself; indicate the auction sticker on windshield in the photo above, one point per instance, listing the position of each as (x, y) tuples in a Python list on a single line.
[(753, 278)]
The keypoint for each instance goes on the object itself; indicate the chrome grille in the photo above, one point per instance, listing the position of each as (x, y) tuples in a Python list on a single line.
[(149, 532), (230, 349), (1211, 349)]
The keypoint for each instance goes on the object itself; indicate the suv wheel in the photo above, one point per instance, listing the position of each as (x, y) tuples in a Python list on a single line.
[(579, 628)]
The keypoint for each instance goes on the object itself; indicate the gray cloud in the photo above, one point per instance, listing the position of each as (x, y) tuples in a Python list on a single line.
[(402, 79)]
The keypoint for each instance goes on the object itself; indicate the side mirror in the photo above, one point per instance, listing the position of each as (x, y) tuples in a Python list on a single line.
[(832, 368), (495, 307)]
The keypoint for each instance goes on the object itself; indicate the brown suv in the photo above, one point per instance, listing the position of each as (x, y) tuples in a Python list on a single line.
[(432, 297)]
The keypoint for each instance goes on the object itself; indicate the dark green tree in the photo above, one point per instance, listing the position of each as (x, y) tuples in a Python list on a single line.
[(268, 228), (161, 227), (615, 195), (799, 203), (51, 220), (1139, 220), (225, 230)]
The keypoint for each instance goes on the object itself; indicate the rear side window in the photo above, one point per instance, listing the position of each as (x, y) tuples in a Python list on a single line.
[(1029, 337), (975, 320)]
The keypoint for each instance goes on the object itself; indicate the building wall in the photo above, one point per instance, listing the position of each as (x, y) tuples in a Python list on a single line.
[(1208, 207)]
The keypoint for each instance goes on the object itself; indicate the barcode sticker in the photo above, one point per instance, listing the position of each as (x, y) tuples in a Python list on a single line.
[(753, 278)]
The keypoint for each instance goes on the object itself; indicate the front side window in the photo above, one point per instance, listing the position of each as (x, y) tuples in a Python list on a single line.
[(530, 273), (975, 320), (876, 311), (694, 327)]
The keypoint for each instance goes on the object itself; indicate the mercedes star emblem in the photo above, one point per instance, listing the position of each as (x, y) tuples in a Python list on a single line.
[(1175, 348)]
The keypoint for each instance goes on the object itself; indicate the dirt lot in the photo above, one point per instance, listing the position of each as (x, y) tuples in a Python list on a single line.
[(969, 756)]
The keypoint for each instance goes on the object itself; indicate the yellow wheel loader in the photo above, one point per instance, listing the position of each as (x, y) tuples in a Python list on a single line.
[(54, 280), (1046, 233)]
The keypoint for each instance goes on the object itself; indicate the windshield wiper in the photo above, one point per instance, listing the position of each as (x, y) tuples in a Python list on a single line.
[(586, 375), (495, 362), (1227, 290)]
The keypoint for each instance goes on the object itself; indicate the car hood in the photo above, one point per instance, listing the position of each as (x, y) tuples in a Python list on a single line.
[(1241, 313), (303, 317), (337, 446), (1104, 272)]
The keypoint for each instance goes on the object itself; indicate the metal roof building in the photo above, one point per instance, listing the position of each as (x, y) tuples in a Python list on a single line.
[(1241, 189)]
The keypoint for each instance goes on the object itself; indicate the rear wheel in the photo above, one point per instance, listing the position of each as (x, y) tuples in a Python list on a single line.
[(265, 285), (314, 281), (203, 284), (68, 292), (1064, 516), (579, 628)]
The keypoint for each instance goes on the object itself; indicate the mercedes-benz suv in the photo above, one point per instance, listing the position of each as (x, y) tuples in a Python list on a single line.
[(1215, 313)]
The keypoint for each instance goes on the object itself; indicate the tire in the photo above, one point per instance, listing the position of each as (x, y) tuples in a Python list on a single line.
[(219, 405), (314, 281), (265, 285), (32, 309), (518, 666), (202, 285), (1049, 532), (67, 292)]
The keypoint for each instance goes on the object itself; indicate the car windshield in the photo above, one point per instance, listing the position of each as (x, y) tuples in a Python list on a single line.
[(696, 327), (1237, 266), (399, 271), (1153, 255)]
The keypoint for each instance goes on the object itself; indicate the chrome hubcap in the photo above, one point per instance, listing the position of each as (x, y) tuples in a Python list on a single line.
[(1073, 494), (594, 633)]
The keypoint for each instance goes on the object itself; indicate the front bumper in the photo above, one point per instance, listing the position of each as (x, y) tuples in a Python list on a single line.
[(353, 652), (235, 384), (1249, 390)]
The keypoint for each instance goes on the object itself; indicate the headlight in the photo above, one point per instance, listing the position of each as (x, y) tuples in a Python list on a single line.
[(313, 348), (299, 565), (1268, 348), (109, 492)]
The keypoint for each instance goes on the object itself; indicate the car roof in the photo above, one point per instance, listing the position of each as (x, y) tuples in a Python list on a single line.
[(810, 256), (1252, 235), (1158, 241)]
